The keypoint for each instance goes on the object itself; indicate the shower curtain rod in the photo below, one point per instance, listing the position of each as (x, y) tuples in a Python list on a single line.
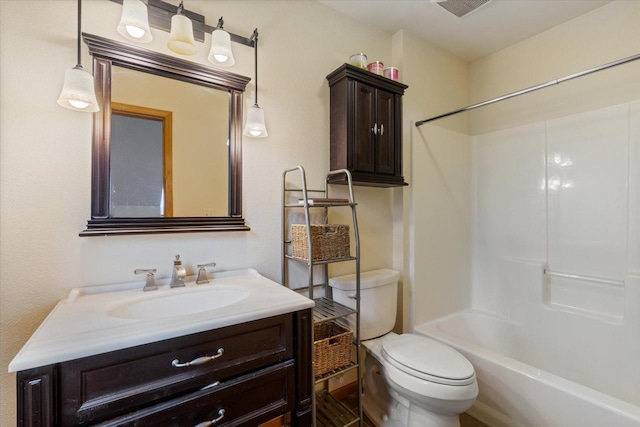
[(533, 88)]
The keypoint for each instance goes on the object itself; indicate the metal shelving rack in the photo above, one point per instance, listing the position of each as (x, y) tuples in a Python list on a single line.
[(328, 412)]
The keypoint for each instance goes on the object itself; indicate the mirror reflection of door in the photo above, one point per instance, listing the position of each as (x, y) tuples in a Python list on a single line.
[(200, 134), (141, 162)]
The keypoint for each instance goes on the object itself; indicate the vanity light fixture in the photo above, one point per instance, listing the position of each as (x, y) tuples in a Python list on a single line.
[(182, 41), (221, 53), (181, 38), (78, 92), (186, 27), (255, 126), (134, 23)]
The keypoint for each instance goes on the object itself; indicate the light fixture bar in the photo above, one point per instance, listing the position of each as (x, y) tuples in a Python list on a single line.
[(160, 13)]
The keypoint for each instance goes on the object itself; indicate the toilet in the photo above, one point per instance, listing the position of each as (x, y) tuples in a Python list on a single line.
[(409, 380)]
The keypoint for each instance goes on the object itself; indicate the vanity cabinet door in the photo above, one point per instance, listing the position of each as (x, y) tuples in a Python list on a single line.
[(248, 400), (109, 384), (36, 394)]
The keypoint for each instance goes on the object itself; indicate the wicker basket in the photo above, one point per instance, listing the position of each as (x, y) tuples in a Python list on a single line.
[(329, 241), (331, 347)]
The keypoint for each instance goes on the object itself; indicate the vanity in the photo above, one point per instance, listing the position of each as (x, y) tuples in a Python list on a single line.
[(235, 351)]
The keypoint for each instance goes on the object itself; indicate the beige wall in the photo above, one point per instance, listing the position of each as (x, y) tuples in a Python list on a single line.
[(437, 215), (45, 154), (606, 34)]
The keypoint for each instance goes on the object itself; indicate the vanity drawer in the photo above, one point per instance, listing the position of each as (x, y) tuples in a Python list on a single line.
[(247, 400), (122, 381)]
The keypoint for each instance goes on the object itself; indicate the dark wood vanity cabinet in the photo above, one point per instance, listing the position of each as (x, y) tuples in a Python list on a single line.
[(263, 371), (366, 126)]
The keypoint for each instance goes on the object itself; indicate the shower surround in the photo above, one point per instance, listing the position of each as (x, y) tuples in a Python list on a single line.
[(556, 264)]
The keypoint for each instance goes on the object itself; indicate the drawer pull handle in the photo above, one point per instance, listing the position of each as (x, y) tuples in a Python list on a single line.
[(213, 384), (212, 422), (199, 361)]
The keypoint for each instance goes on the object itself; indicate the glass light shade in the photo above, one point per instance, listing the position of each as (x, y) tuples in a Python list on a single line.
[(255, 126), (134, 23), (181, 38), (78, 92), (220, 53)]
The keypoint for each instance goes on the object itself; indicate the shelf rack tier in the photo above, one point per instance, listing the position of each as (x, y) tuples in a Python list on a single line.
[(326, 310), (332, 413)]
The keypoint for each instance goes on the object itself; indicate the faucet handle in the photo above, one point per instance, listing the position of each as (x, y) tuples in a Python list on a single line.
[(151, 284), (202, 273)]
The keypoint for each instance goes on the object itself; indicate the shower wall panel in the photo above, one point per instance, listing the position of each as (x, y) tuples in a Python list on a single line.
[(564, 193)]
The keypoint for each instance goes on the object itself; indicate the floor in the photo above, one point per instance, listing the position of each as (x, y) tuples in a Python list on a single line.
[(351, 401), (467, 420)]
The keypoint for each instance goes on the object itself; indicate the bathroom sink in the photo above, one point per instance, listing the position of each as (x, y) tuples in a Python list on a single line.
[(178, 302), (99, 319)]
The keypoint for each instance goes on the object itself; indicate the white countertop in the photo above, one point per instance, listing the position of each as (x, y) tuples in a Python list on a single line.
[(80, 325)]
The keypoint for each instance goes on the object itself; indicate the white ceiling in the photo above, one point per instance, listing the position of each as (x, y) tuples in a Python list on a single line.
[(490, 28)]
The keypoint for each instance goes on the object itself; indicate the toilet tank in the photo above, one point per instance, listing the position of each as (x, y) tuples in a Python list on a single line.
[(378, 300)]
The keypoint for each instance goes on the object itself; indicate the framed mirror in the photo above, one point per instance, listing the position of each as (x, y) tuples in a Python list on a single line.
[(167, 144)]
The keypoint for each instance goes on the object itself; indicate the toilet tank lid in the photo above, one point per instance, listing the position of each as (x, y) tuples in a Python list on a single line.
[(368, 279)]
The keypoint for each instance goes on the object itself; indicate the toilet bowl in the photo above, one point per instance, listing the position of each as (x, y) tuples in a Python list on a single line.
[(409, 380)]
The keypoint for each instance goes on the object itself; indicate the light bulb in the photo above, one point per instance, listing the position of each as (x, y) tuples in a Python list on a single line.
[(78, 92), (221, 58), (134, 22), (81, 105), (181, 38), (220, 52), (255, 126), (134, 31)]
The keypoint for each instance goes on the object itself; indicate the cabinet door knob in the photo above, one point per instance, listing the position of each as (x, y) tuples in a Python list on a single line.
[(212, 422), (199, 361), (381, 129), (374, 129)]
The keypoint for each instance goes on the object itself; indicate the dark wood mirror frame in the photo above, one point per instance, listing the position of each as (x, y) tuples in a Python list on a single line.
[(106, 53)]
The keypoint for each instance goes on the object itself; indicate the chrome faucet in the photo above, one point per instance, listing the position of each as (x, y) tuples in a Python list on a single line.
[(178, 274), (202, 273), (150, 285)]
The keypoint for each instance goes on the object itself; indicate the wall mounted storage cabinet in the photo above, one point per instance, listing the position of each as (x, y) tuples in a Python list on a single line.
[(366, 126)]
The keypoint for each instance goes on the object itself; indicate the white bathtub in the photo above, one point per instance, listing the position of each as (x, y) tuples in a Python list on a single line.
[(513, 393)]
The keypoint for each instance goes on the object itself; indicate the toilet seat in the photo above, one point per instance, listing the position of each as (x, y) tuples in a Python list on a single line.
[(429, 360)]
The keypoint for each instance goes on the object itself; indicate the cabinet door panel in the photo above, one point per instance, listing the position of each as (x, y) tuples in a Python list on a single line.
[(364, 156), (385, 142)]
